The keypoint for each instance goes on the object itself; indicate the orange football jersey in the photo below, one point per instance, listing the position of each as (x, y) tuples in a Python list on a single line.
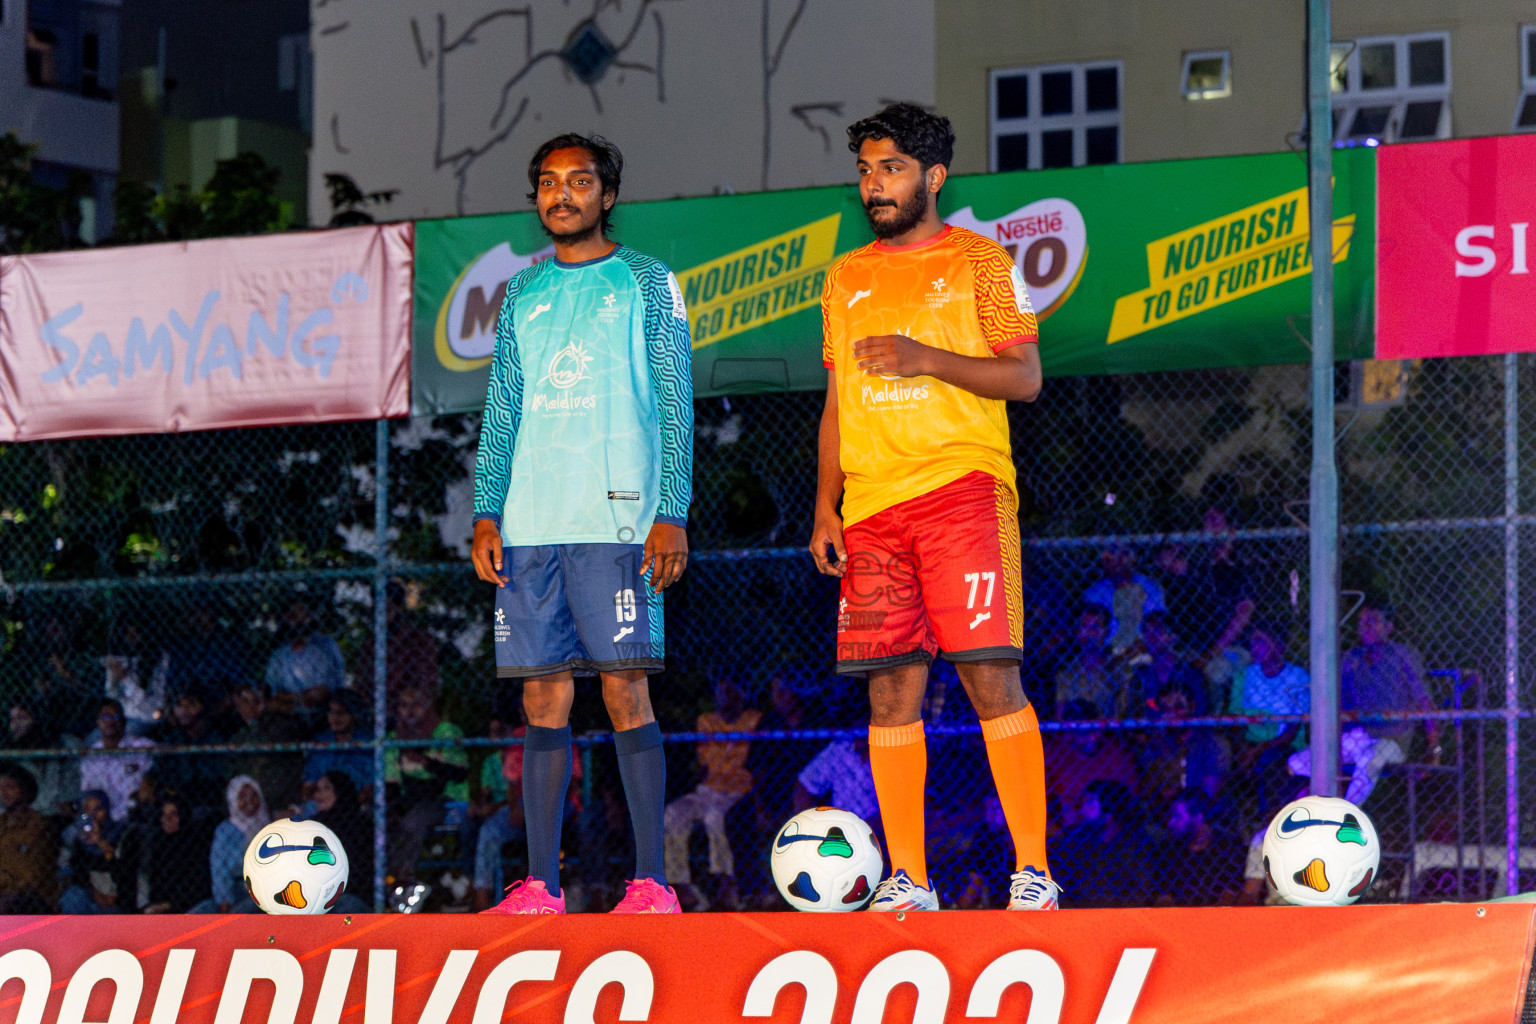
[(905, 436)]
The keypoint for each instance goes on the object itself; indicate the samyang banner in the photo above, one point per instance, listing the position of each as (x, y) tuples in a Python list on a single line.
[(1455, 250), (1405, 964), (229, 332), (1133, 267)]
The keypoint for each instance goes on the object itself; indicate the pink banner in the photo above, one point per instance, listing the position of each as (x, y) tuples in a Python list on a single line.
[(1455, 249), (229, 332)]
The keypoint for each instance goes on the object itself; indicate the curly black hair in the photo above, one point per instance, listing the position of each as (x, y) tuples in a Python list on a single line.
[(924, 136), (609, 161)]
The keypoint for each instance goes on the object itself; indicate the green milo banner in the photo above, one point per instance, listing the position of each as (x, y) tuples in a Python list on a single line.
[(1132, 268)]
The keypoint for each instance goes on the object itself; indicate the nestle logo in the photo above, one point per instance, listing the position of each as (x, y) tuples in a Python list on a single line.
[(1048, 223)]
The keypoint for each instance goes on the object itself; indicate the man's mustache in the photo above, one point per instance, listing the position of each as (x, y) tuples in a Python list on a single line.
[(880, 202)]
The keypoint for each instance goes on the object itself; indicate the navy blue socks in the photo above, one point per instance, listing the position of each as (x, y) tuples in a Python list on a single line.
[(546, 779), (644, 771)]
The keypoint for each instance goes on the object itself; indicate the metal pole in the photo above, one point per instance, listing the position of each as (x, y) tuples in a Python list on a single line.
[(1511, 624), (160, 48), (380, 646), (1324, 535)]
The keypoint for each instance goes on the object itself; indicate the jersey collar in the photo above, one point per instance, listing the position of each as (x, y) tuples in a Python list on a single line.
[(880, 246), (587, 263)]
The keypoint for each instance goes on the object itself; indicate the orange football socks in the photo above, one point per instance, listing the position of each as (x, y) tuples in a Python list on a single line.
[(898, 759), (1018, 770)]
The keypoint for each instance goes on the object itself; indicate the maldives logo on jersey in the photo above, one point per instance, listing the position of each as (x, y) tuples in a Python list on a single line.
[(567, 368)]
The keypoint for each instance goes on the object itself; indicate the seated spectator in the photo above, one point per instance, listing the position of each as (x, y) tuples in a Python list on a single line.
[(1164, 669), (1076, 758), (248, 815), (1094, 676), (115, 775), (1103, 860), (770, 761), (208, 656), (136, 672), (1047, 635), (410, 656), (197, 778), (500, 808), (1173, 760), (277, 774), (1127, 595), (989, 861), (98, 881), (1381, 675), (28, 849), (1199, 866), (1256, 888), (343, 715), (726, 780), (66, 680), (307, 667), (58, 779), (335, 804), (1207, 589), (176, 862), (1270, 686), (840, 777), (421, 782)]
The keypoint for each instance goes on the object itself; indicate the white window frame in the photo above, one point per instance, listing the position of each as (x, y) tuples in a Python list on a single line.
[(1223, 90), (1527, 76), (1079, 121), (1349, 100)]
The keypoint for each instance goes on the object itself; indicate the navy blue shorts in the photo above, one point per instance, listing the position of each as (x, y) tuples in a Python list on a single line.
[(583, 608)]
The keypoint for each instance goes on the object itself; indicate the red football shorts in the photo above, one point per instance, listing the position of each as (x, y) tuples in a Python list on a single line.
[(939, 573)]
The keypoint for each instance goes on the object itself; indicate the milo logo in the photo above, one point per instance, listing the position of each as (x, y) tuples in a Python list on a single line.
[(465, 334), (1048, 242)]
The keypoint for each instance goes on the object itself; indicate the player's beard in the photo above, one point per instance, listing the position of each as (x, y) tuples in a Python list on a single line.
[(577, 236), (908, 214)]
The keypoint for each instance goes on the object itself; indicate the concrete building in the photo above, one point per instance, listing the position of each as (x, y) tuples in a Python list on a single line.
[(58, 80), (236, 79), (446, 102), (1038, 84)]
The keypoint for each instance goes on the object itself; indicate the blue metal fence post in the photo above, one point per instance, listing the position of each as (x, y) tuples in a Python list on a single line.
[(380, 647)]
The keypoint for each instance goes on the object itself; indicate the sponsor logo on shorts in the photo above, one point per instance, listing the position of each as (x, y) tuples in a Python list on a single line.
[(501, 631), (623, 633), (858, 622), (980, 618), (866, 651)]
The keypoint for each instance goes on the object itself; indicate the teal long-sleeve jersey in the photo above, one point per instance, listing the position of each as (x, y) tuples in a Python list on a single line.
[(588, 430)]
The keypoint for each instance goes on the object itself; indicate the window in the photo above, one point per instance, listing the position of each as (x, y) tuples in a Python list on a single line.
[(1059, 115), (1525, 110), (1391, 89), (1208, 75)]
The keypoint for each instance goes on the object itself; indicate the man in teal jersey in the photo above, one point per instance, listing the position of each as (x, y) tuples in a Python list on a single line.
[(582, 487)]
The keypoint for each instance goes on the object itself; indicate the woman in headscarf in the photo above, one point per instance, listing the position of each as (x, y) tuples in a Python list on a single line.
[(176, 868), (58, 779), (336, 807), (226, 859)]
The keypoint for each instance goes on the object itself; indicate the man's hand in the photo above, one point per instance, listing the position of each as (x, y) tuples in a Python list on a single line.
[(485, 550), (891, 355), (828, 532), (666, 555)]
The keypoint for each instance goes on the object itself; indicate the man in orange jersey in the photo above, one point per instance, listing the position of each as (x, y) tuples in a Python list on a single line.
[(927, 332)]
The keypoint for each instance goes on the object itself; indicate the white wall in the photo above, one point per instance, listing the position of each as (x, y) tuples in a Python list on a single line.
[(446, 100)]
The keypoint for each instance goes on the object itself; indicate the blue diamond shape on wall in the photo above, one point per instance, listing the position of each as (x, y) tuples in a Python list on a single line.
[(589, 53)]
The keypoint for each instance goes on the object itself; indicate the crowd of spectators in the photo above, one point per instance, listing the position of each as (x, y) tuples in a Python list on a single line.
[(1146, 806)]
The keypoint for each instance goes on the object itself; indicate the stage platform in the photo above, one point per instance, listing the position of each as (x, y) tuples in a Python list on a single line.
[(1397, 965)]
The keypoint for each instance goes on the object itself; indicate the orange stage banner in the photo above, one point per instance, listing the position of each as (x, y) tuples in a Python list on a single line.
[(1430, 964)]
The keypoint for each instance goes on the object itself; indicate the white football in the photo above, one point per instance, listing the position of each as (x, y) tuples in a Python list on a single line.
[(1321, 851), (295, 866), (826, 860)]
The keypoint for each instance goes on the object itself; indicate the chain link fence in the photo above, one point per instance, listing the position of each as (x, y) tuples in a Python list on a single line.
[(293, 607)]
